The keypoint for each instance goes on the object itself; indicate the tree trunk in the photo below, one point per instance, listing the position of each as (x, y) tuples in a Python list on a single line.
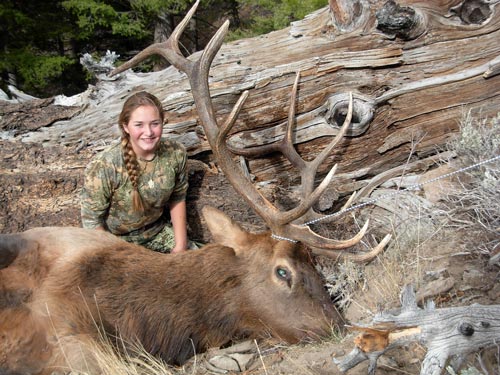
[(413, 67), (163, 29)]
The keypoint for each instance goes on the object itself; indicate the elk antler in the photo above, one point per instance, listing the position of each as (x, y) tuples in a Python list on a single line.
[(282, 224)]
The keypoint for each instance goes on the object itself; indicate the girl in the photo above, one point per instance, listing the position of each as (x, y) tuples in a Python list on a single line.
[(136, 189)]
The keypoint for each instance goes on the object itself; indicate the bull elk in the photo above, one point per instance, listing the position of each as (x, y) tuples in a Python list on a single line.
[(60, 286)]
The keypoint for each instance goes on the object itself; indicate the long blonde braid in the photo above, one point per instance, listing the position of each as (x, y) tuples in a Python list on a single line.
[(133, 171), (138, 99)]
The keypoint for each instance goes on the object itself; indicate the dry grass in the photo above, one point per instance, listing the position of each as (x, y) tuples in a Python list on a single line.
[(113, 358), (341, 280), (474, 206)]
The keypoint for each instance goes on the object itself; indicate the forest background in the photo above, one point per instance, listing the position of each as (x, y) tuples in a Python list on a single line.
[(41, 42)]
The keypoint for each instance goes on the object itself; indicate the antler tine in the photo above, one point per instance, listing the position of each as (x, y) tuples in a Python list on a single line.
[(304, 234), (309, 170), (343, 129), (198, 79), (355, 257), (231, 119), (179, 29), (309, 173), (285, 145), (169, 49)]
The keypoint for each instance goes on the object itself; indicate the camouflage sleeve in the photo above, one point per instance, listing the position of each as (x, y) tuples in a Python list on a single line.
[(95, 194), (181, 181)]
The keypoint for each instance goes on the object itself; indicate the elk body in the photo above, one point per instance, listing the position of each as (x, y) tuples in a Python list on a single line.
[(60, 286)]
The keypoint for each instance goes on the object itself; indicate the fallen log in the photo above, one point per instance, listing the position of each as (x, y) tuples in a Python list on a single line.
[(413, 67), (445, 332)]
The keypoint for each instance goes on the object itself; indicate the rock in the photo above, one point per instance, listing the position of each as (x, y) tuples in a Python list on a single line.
[(494, 293), (435, 288), (232, 362), (437, 190), (474, 278)]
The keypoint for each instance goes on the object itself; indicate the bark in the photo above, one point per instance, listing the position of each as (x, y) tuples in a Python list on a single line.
[(446, 332), (18, 119), (414, 68)]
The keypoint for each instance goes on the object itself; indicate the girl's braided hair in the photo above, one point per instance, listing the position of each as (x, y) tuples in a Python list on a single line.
[(141, 98)]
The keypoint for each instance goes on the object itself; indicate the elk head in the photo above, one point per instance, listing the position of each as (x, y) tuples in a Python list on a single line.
[(281, 292), (285, 225)]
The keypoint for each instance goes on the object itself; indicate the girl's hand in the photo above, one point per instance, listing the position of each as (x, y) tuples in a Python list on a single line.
[(178, 249)]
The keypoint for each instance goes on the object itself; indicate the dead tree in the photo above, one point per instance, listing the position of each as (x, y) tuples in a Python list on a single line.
[(446, 333)]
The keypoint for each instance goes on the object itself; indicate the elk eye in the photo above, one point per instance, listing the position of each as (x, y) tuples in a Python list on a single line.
[(283, 273)]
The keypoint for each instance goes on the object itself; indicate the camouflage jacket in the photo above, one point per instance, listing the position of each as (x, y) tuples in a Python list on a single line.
[(106, 196)]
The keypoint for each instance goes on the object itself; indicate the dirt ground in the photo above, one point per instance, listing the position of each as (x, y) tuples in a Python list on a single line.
[(39, 187)]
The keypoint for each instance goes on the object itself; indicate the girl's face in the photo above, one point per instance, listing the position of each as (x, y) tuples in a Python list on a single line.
[(145, 128)]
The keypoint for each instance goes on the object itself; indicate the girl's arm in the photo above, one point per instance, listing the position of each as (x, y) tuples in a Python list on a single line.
[(179, 225), (95, 195)]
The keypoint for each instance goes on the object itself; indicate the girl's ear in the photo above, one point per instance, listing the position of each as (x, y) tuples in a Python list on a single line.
[(125, 128)]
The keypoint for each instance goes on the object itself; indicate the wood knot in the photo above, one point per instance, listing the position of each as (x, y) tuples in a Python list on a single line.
[(473, 11), (485, 324), (362, 113), (466, 329), (403, 22)]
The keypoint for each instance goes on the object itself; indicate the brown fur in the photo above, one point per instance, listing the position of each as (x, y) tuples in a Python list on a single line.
[(66, 282)]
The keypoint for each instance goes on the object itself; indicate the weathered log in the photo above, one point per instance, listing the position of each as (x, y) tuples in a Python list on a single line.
[(445, 332), (413, 68), (19, 118)]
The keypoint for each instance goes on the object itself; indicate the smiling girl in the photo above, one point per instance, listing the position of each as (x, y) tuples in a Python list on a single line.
[(136, 189)]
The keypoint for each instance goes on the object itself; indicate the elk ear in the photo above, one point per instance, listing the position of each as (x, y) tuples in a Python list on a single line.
[(224, 230)]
